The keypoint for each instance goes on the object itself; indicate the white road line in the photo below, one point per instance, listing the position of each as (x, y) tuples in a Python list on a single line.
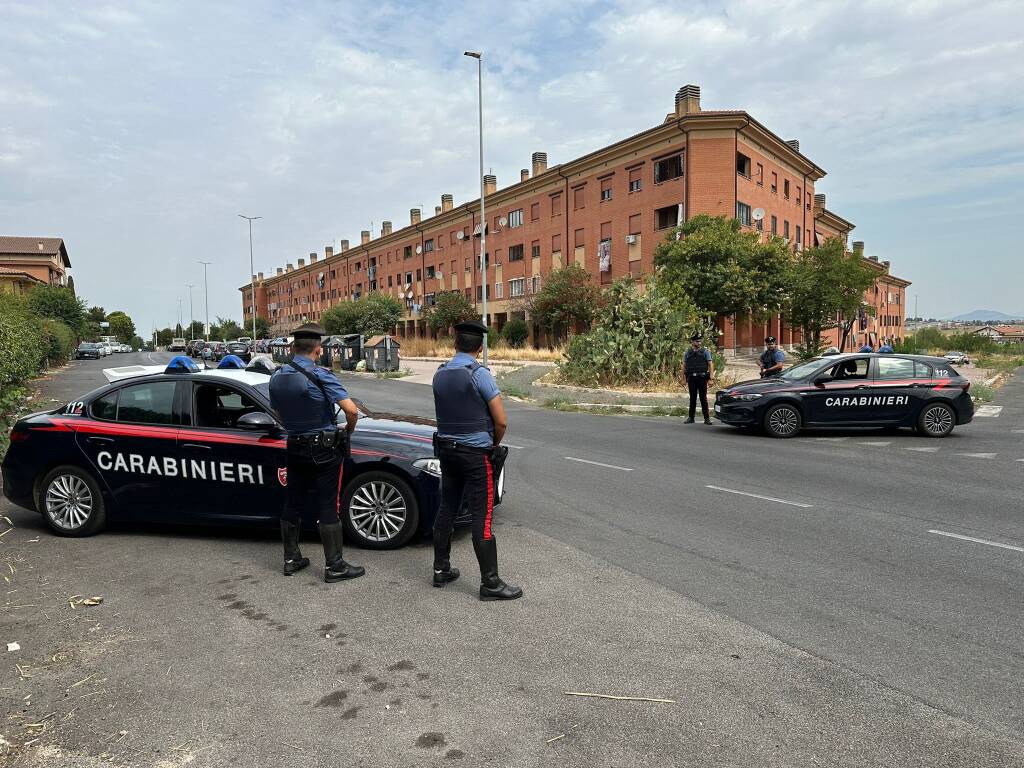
[(1020, 459), (880, 444), (988, 410), (922, 449), (830, 439), (978, 541), (514, 447), (1018, 431), (598, 464), (757, 496), (977, 455)]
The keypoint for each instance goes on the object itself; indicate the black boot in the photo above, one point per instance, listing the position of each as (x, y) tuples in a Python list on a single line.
[(293, 559), (335, 567), (443, 571), (491, 585), (689, 420)]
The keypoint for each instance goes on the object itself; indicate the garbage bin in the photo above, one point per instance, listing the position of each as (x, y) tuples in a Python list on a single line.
[(382, 353), (350, 351)]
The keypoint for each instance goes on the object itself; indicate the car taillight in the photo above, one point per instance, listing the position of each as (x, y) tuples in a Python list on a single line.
[(19, 435), (966, 384)]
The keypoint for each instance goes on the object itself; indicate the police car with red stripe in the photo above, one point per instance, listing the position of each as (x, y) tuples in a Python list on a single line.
[(852, 390), (180, 444)]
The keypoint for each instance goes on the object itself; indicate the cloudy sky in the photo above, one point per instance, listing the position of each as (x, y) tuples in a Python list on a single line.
[(138, 131)]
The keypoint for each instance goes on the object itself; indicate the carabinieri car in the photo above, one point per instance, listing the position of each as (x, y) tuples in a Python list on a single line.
[(852, 390), (184, 445)]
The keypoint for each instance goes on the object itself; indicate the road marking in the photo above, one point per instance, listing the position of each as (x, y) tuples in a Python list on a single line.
[(515, 447), (758, 496), (597, 464), (879, 444), (922, 449), (1018, 431), (830, 439), (988, 410), (978, 455), (978, 541)]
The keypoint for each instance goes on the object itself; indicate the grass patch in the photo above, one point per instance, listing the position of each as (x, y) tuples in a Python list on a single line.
[(982, 393), (1000, 363), (513, 391), (443, 347), (393, 374)]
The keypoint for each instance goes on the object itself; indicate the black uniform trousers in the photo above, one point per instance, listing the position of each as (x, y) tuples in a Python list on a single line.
[(314, 489), (697, 383), (467, 474)]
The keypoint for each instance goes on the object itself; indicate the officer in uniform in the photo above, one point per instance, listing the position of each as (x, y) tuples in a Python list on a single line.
[(772, 359), (470, 425), (304, 396), (699, 369)]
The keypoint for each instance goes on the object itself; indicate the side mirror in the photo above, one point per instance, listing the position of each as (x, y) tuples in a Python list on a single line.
[(821, 380), (256, 421)]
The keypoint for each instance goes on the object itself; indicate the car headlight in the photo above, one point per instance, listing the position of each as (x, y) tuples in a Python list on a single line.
[(431, 466), (751, 396)]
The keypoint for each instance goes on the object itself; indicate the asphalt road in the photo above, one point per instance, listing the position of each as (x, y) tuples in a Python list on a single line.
[(818, 620)]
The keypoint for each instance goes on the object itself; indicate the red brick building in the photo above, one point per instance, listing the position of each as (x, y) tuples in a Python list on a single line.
[(605, 211)]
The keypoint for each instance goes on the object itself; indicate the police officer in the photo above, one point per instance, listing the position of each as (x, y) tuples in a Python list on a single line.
[(699, 369), (304, 396), (470, 425), (772, 359)]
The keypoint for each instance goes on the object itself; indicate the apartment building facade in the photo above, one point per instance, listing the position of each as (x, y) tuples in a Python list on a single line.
[(29, 261), (605, 211)]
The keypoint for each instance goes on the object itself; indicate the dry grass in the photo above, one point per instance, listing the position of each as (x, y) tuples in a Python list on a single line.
[(442, 347)]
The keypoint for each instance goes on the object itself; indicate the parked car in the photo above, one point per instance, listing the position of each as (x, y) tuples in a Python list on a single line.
[(958, 358), (88, 351), (240, 349)]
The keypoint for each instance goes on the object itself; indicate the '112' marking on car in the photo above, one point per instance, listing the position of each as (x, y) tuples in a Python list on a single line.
[(194, 469)]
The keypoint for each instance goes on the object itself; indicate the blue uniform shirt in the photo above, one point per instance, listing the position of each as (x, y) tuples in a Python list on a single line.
[(299, 401), (488, 389), (770, 358)]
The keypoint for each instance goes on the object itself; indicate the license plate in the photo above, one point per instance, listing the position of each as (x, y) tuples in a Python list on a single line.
[(718, 408)]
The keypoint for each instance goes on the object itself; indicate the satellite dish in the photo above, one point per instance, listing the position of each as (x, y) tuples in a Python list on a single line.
[(460, 235), (419, 249), (758, 214), (502, 221)]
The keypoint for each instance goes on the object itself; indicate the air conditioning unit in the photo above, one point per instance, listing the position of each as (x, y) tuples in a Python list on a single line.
[(799, 246), (630, 239)]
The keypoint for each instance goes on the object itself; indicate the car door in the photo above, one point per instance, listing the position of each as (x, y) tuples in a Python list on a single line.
[(898, 391), (236, 473), (130, 440), (836, 400)]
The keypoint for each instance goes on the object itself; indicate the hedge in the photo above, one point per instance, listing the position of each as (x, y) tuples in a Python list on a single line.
[(21, 339)]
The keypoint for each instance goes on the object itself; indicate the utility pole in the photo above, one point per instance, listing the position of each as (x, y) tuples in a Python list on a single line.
[(179, 314), (252, 273), (206, 297), (191, 311)]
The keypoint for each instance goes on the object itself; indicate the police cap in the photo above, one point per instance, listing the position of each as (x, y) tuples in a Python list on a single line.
[(309, 331), (695, 337), (769, 340), (471, 327)]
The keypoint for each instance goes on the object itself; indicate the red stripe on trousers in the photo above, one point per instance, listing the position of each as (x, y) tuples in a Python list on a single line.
[(490, 499)]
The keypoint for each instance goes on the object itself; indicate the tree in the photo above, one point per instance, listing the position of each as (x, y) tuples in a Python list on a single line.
[(229, 329), (515, 333), (449, 308), (723, 269), (826, 283), (164, 336), (568, 298), (342, 318), (96, 314), (262, 328), (57, 302), (380, 313), (196, 330), (121, 326)]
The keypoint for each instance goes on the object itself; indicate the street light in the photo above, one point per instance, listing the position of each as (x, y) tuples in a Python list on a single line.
[(191, 311), (206, 297), (483, 216), (252, 272)]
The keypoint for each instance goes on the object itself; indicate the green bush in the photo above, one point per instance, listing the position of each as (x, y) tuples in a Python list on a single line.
[(58, 342), (515, 333), (20, 341), (970, 342)]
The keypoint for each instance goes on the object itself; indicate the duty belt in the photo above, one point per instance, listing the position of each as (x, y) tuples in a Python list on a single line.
[(327, 438), (451, 444)]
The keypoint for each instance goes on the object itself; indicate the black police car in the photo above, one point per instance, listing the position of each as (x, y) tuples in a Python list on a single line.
[(852, 390), (183, 445)]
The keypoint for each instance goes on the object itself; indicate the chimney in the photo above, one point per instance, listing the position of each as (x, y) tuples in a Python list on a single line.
[(540, 163), (819, 200), (858, 247), (793, 144), (688, 100), (415, 216), (328, 251), (260, 276), (524, 174), (437, 210), (313, 257), (490, 184), (342, 246), (873, 258), (288, 267), (253, 279), (385, 228), (280, 270), (364, 237), (447, 203), (302, 263), (885, 264)]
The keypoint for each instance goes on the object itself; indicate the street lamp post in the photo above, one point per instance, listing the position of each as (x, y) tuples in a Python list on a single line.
[(191, 311), (206, 297), (483, 216), (252, 273), (179, 315)]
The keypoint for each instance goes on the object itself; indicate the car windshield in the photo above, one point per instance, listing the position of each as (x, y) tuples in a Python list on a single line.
[(87, 346), (801, 370)]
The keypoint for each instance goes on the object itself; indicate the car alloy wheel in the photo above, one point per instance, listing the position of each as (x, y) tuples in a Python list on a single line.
[(783, 421), (380, 510), (937, 421), (70, 502)]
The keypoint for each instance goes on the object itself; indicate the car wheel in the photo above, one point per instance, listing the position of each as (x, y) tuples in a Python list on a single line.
[(936, 420), (782, 421), (71, 502), (379, 511)]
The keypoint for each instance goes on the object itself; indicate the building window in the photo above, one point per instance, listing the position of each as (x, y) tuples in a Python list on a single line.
[(515, 253), (635, 179), (515, 218), (759, 225), (556, 205), (775, 225), (742, 165), (556, 243), (798, 195), (419, 275), (580, 237), (407, 252), (408, 278), (430, 273), (497, 223), (743, 213), (666, 217), (535, 284), (390, 284), (428, 246), (634, 224), (606, 189), (516, 287), (785, 188), (499, 290), (535, 212), (759, 176), (785, 229), (668, 168), (451, 238), (333, 275), (535, 249), (775, 182), (798, 240), (578, 199)]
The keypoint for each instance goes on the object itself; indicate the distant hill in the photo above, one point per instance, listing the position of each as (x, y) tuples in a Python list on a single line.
[(986, 315)]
